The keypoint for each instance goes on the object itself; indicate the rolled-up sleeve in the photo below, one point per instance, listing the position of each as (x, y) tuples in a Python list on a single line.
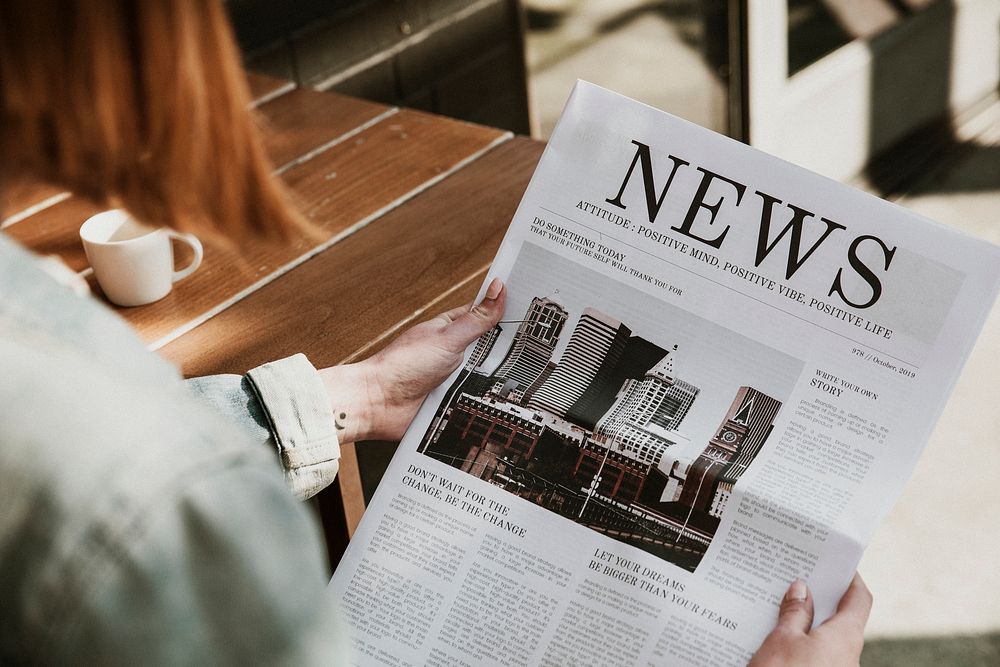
[(284, 404)]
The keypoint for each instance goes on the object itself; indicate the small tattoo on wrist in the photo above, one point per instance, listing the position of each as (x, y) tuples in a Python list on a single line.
[(336, 422)]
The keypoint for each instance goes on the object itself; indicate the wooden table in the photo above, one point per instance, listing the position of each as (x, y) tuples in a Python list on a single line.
[(410, 207)]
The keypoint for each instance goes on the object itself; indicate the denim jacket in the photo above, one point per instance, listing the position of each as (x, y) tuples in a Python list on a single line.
[(145, 519)]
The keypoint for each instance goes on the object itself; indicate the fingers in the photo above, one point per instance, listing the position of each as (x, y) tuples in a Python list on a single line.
[(796, 612), (453, 314), (491, 293), (854, 606), (468, 324), (857, 601)]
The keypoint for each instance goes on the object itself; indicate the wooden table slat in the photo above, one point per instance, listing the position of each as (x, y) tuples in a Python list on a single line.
[(55, 230), (352, 493), (303, 120), (19, 196), (263, 86), (438, 239)]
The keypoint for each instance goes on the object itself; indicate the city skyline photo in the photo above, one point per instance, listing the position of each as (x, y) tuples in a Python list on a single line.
[(611, 408)]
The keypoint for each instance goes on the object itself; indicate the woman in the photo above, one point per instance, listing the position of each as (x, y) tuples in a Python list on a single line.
[(142, 518)]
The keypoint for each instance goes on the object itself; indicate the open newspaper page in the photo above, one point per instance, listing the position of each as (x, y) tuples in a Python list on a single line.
[(715, 373)]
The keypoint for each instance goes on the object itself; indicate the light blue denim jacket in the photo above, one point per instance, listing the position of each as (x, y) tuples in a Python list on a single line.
[(145, 519)]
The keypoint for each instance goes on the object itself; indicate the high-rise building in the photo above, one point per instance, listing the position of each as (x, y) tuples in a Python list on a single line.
[(539, 381), (484, 345), (737, 441), (644, 418), (757, 412), (533, 343), (674, 405), (597, 339), (635, 361)]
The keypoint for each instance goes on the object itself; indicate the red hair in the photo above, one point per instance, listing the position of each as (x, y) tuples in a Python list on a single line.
[(141, 104)]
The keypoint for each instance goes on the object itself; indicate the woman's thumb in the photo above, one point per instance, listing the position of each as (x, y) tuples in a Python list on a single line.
[(480, 318)]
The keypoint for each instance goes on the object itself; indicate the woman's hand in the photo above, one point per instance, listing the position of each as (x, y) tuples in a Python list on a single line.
[(376, 399), (837, 641)]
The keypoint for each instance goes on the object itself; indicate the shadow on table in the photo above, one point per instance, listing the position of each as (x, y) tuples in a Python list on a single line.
[(373, 459), (960, 651)]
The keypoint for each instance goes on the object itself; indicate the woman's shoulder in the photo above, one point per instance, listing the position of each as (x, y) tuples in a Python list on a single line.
[(94, 465), (84, 407), (82, 445), (64, 414)]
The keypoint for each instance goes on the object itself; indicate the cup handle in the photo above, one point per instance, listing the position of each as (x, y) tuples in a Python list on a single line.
[(195, 244)]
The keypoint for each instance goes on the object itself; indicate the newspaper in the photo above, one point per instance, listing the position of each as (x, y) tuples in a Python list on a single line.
[(715, 374)]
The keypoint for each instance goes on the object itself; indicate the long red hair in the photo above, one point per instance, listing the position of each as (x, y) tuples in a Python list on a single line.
[(137, 103)]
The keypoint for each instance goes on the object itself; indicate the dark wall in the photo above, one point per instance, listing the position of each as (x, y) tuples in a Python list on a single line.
[(454, 57)]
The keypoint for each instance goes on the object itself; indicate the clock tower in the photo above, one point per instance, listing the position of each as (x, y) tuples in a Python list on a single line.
[(739, 437)]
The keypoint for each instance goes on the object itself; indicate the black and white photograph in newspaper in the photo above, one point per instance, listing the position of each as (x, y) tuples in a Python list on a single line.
[(611, 408)]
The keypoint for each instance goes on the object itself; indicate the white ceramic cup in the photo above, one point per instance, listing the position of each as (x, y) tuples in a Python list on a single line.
[(134, 263)]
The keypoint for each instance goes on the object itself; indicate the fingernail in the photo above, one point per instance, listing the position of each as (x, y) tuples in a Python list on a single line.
[(493, 291), (797, 591)]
